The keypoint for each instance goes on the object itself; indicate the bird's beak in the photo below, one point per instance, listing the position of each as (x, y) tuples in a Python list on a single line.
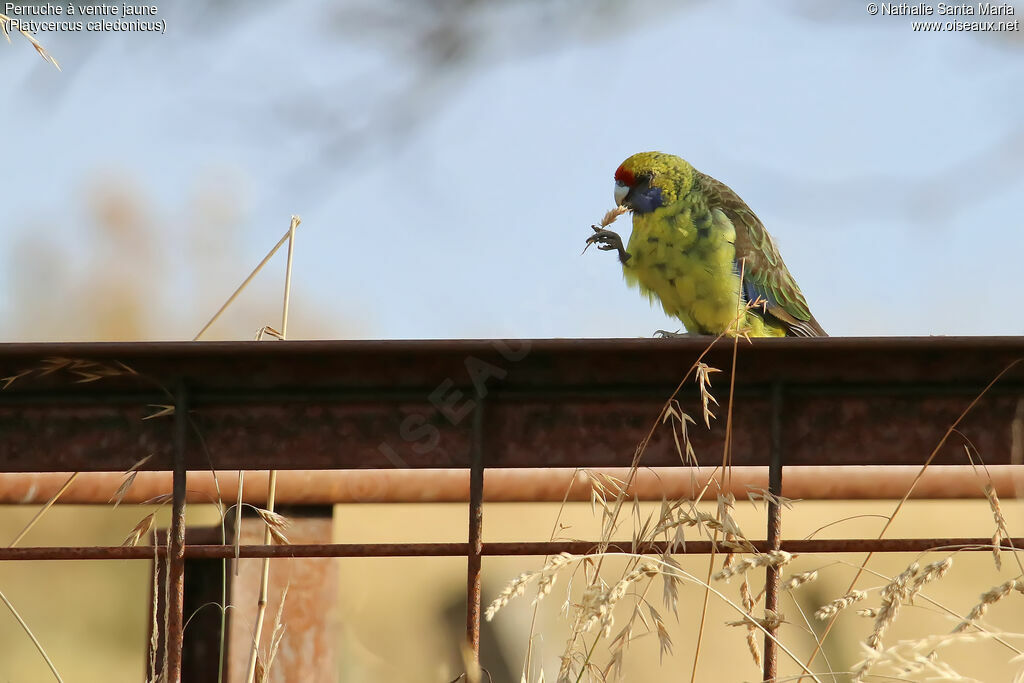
[(620, 193)]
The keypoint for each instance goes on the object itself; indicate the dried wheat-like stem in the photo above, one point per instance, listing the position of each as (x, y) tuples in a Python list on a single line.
[(5, 28), (836, 606), (277, 634), (1001, 533), (245, 283), (775, 558), (988, 599), (920, 655), (32, 636), (703, 379), (129, 479), (771, 619), (53, 499), (517, 586), (154, 611), (799, 579), (261, 603), (748, 604), (276, 524), (930, 572), (906, 496), (140, 530), (893, 596)]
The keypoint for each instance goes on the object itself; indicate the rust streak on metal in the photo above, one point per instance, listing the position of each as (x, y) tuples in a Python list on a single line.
[(176, 542), (837, 545)]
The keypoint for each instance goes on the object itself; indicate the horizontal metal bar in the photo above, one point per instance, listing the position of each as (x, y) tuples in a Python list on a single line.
[(316, 487), (840, 545), (552, 403)]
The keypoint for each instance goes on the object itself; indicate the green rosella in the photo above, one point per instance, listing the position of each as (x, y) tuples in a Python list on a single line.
[(692, 237)]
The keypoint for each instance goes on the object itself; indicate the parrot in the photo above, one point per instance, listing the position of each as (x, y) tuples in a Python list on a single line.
[(700, 250)]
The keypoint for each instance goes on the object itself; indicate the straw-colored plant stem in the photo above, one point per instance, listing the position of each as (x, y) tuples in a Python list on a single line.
[(261, 604), (945, 437), (42, 510), (726, 474), (31, 635), (17, 539)]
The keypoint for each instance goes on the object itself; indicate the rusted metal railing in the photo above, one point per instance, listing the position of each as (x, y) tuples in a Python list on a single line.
[(479, 404)]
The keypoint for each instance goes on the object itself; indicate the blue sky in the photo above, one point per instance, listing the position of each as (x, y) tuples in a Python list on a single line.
[(888, 164)]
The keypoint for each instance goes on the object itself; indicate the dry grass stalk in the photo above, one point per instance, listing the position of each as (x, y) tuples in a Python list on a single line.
[(703, 379), (799, 579), (774, 558), (276, 524), (129, 479), (770, 620), (664, 639), (748, 604), (680, 420), (612, 215), (909, 657), (988, 599), (277, 634), (670, 523), (930, 572), (598, 605), (32, 636), (140, 530), (5, 27), (906, 496), (756, 494), (672, 580), (245, 283), (517, 586), (269, 532), (839, 604), (159, 410), (870, 612), (893, 596), (154, 611), (83, 371), (42, 511), (1001, 533)]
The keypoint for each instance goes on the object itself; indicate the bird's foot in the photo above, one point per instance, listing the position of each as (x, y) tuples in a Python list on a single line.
[(608, 240), (665, 334)]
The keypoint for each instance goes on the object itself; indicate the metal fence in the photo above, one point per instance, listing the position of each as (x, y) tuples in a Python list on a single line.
[(480, 404)]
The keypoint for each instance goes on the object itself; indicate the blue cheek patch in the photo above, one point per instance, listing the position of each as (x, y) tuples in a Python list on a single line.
[(647, 201)]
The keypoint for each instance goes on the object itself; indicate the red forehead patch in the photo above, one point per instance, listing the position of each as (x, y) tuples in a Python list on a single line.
[(624, 176)]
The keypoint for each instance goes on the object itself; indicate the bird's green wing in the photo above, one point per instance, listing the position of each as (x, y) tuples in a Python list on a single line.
[(764, 273)]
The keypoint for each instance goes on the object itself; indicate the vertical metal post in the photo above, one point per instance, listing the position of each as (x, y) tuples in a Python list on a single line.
[(176, 543), (476, 514), (771, 586)]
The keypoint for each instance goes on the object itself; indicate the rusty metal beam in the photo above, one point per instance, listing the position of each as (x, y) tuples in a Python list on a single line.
[(837, 545), (317, 487), (363, 404)]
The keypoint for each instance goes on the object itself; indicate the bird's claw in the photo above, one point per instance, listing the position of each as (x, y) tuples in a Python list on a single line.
[(665, 334), (607, 240)]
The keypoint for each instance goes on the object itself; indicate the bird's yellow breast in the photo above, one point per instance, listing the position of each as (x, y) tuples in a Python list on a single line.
[(687, 260)]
